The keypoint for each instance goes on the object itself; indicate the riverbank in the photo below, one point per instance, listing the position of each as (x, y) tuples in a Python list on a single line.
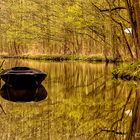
[(64, 58), (125, 72), (128, 71)]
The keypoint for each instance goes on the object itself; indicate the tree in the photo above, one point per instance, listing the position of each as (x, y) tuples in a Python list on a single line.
[(133, 9)]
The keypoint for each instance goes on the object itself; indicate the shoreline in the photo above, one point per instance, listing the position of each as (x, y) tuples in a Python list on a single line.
[(128, 72), (60, 58)]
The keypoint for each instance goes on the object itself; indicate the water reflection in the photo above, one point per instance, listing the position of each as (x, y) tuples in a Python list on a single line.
[(17, 94), (83, 103)]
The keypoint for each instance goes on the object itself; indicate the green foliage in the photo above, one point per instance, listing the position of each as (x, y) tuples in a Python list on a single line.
[(128, 72), (64, 26), (74, 16)]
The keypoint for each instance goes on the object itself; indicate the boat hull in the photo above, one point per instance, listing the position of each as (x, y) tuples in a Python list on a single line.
[(22, 77)]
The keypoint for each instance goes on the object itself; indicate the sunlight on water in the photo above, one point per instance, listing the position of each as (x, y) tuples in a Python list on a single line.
[(83, 103)]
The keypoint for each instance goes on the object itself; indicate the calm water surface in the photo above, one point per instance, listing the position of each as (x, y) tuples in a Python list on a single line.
[(83, 103)]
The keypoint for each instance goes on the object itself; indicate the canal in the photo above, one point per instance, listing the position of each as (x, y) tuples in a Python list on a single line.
[(82, 102)]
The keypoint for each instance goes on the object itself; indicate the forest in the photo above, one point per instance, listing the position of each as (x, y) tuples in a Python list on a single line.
[(73, 100), (108, 29)]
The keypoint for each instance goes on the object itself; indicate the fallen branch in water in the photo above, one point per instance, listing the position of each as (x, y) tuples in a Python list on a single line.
[(128, 72), (2, 109), (2, 63)]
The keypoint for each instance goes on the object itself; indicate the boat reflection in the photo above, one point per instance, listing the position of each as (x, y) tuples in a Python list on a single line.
[(23, 94)]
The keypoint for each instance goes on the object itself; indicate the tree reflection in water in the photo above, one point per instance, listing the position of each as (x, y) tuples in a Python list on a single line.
[(83, 103)]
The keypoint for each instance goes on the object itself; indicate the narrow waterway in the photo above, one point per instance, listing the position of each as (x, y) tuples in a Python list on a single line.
[(82, 102)]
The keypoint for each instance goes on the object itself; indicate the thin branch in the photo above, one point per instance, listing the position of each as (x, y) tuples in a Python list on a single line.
[(112, 9), (108, 10), (123, 111), (128, 46), (108, 131), (2, 63), (2, 109)]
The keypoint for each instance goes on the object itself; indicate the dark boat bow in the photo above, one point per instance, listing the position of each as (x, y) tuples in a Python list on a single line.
[(22, 76)]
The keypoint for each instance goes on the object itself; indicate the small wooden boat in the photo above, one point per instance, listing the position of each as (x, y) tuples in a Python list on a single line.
[(22, 77)]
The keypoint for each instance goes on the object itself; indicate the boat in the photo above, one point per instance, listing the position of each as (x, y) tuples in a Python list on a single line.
[(22, 77)]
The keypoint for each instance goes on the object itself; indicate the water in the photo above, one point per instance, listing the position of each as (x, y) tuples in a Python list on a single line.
[(83, 103)]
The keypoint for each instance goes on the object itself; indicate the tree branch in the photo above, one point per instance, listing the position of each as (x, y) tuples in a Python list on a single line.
[(2, 109), (110, 9)]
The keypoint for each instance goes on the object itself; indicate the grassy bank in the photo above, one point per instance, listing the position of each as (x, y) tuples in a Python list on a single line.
[(128, 72), (64, 58)]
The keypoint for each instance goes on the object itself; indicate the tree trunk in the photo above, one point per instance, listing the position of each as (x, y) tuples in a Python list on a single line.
[(133, 9), (136, 22)]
